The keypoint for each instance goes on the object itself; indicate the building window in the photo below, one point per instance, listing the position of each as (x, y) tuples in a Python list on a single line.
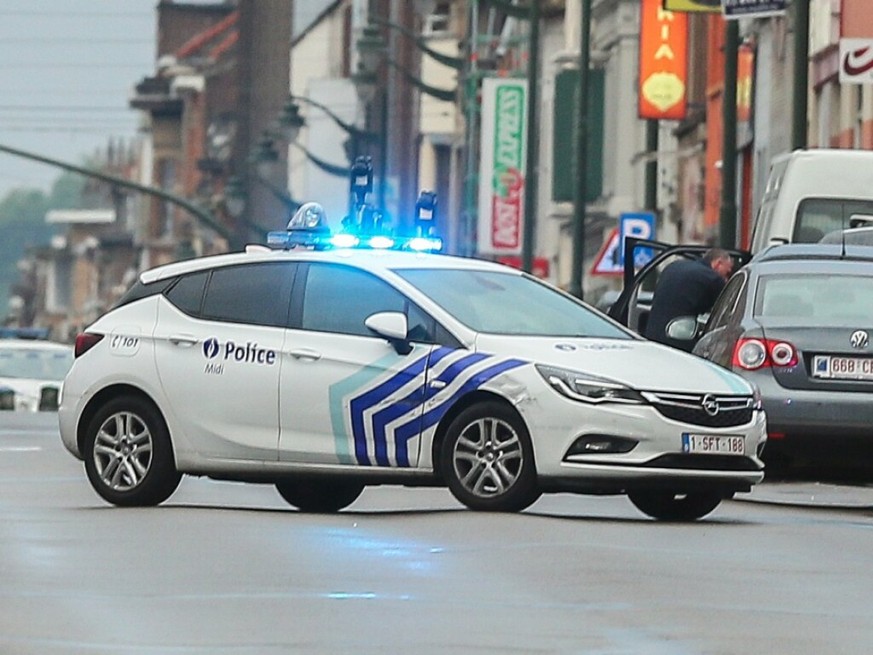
[(59, 288), (439, 21)]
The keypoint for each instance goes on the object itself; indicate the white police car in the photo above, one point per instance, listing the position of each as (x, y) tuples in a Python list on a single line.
[(326, 370)]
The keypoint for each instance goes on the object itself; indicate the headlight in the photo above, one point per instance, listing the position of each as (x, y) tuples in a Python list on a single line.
[(757, 399), (7, 400), (588, 388)]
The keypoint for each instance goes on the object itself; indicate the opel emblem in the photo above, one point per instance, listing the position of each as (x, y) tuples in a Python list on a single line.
[(859, 339), (710, 405)]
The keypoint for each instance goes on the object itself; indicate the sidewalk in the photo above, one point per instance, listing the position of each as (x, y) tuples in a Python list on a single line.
[(812, 494)]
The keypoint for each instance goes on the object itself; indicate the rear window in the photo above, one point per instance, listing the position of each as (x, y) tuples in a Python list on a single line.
[(818, 216), (829, 299)]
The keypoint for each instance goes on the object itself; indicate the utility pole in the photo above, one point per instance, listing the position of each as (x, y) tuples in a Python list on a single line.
[(581, 194), (531, 177), (728, 218), (651, 201), (801, 73)]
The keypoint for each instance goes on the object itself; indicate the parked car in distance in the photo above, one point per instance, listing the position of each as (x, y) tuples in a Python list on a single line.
[(33, 370), (797, 322)]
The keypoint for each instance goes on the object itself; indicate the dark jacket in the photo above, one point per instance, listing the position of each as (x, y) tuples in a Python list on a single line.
[(685, 288)]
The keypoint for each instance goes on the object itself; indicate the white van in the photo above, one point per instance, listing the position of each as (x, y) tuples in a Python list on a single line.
[(810, 193)]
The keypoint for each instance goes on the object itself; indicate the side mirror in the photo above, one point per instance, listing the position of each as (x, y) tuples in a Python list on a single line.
[(393, 327), (683, 328), (860, 220)]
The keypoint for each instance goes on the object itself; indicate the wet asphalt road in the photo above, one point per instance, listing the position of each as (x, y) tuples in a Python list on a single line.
[(229, 568)]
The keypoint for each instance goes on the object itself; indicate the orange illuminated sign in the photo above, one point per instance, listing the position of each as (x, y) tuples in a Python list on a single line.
[(663, 62), (745, 81)]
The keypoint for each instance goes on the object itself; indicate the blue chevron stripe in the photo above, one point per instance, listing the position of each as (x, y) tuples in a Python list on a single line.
[(384, 416), (338, 391), (403, 433), (361, 403)]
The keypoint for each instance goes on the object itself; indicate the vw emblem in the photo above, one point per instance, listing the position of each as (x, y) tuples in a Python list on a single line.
[(710, 405), (859, 339)]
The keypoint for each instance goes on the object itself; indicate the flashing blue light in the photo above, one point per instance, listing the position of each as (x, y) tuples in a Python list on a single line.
[(344, 241), (425, 244), (381, 242), (289, 239)]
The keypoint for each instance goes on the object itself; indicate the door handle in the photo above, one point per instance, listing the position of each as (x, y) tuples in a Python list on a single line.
[(307, 354), (185, 340)]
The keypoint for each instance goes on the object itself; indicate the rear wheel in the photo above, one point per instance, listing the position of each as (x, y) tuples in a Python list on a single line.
[(128, 454), (319, 496), (487, 459), (671, 506)]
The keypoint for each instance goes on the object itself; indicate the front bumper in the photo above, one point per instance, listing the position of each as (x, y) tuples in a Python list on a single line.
[(656, 461)]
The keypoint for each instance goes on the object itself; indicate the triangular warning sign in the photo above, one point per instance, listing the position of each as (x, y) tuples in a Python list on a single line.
[(608, 261)]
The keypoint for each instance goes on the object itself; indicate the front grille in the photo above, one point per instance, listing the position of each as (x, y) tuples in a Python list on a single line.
[(704, 462), (690, 409)]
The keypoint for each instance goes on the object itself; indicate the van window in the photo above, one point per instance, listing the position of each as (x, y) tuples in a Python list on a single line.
[(818, 216)]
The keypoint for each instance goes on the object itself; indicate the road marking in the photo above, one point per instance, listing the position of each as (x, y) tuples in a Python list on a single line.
[(19, 449)]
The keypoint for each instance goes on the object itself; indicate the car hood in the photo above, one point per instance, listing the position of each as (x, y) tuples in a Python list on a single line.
[(643, 365)]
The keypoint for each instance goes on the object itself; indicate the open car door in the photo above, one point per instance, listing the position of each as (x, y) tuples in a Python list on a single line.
[(632, 306)]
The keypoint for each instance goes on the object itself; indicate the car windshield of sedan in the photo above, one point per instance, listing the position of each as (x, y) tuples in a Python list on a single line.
[(35, 364), (503, 303), (818, 298)]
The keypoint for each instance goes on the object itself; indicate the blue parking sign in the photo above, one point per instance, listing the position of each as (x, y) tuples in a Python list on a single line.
[(640, 225)]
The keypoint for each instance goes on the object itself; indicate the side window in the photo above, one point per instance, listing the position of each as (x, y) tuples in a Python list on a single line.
[(339, 299), (727, 301), (187, 293), (256, 294)]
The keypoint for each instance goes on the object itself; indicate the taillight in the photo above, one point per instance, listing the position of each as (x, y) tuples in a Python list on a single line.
[(85, 341), (752, 354)]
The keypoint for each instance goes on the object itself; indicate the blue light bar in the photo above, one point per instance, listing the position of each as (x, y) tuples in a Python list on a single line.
[(286, 240)]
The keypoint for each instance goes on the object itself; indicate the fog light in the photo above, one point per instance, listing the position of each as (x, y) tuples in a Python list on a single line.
[(601, 444)]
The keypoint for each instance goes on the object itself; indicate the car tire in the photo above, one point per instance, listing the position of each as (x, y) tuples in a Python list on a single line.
[(487, 459), (319, 496), (671, 506), (128, 454)]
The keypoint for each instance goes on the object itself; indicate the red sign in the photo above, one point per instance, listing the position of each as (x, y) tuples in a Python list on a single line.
[(663, 62)]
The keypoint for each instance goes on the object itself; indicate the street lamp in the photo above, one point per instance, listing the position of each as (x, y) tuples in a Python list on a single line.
[(202, 215), (291, 122), (370, 47)]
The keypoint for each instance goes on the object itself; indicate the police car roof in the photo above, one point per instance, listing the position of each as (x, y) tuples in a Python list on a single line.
[(368, 259)]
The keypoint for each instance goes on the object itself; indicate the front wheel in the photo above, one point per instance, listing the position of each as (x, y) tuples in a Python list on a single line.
[(487, 459), (319, 496), (671, 506), (128, 455)]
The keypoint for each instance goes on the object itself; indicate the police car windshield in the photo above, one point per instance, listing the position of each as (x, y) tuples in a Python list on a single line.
[(503, 303)]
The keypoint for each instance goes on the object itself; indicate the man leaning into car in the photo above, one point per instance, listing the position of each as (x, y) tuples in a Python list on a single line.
[(687, 288)]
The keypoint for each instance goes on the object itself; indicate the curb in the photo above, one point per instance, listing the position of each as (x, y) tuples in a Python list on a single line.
[(812, 495)]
